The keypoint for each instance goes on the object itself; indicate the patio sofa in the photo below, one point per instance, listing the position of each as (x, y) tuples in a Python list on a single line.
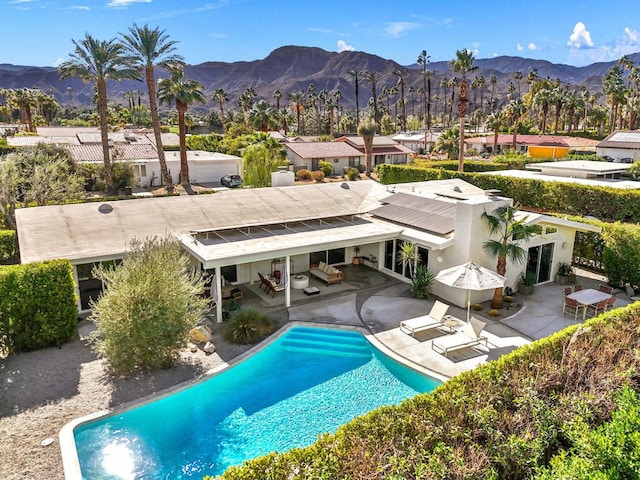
[(326, 273)]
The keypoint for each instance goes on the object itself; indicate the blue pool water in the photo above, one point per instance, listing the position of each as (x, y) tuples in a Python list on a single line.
[(308, 381)]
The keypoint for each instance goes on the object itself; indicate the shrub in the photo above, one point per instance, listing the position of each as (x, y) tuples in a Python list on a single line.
[(326, 168), (477, 307), (634, 171), (352, 173), (303, 174), (505, 419), (621, 255), (317, 175), (248, 325), (421, 282), (494, 312), (37, 305), (508, 299), (150, 302), (8, 245)]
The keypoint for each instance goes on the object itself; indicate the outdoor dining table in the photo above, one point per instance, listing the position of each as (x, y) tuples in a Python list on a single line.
[(588, 296)]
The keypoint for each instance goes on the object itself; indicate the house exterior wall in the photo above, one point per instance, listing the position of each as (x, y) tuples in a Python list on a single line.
[(200, 170), (618, 153), (544, 151), (339, 163)]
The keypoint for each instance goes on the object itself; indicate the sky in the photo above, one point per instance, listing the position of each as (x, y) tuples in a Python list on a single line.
[(40, 32)]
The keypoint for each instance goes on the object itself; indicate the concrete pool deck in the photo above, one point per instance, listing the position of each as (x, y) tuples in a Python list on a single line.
[(381, 311)]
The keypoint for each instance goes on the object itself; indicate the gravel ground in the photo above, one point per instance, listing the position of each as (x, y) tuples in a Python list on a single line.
[(42, 391)]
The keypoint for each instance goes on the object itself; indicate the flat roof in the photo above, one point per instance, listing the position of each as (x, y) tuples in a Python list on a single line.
[(596, 182), (585, 166)]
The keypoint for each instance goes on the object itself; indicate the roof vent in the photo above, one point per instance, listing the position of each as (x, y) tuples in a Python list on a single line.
[(492, 192), (457, 189), (345, 185)]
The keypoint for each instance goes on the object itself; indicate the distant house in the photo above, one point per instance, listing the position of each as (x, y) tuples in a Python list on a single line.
[(416, 141), (536, 146), (621, 146), (385, 150), (308, 155)]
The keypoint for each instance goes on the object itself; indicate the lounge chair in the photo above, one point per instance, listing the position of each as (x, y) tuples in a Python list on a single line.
[(274, 287), (469, 336), (434, 319)]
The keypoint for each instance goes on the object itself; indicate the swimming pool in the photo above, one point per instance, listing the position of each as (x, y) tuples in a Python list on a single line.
[(306, 382)]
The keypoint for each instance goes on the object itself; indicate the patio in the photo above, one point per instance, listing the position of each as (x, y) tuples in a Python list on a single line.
[(378, 303)]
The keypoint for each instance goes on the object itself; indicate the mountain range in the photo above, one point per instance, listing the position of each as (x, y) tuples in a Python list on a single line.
[(293, 68)]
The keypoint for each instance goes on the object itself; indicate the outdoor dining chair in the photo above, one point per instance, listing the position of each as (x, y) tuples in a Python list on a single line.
[(598, 307), (567, 291), (578, 287), (571, 306), (606, 289)]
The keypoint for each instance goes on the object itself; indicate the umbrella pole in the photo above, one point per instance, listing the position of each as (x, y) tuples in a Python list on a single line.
[(468, 304)]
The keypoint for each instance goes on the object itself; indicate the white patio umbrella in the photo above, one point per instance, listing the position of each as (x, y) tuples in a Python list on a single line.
[(470, 276)]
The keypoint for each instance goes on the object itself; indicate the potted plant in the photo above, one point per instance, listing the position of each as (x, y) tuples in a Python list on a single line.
[(564, 272), (356, 257), (527, 283)]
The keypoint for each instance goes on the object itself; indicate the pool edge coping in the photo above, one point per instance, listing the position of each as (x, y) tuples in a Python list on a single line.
[(68, 448)]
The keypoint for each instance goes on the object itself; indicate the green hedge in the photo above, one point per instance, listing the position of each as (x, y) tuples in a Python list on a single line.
[(8, 245), (505, 419), (606, 203), (37, 305)]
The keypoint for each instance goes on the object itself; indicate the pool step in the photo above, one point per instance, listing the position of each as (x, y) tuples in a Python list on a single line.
[(348, 344)]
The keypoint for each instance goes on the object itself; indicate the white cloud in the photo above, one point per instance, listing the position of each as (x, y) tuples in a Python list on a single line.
[(125, 3), (58, 62), (344, 47), (395, 29), (581, 37), (78, 7), (519, 47), (532, 46)]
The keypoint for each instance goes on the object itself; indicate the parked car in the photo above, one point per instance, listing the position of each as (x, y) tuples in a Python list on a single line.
[(231, 181)]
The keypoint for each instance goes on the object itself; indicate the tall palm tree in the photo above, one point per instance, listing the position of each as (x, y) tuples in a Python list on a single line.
[(492, 81), (517, 76), (277, 94), (99, 61), (515, 110), (558, 99), (423, 60), (182, 93), (151, 49), (220, 96), (356, 76), (542, 99), (401, 73), (70, 92), (25, 100), (367, 130), (510, 232), (495, 121), (297, 105), (462, 64), (261, 115), (372, 78)]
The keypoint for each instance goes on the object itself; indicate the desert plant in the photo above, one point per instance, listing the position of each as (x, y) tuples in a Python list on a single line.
[(303, 174), (326, 168), (564, 269), (421, 282), (494, 312), (508, 299), (477, 307), (352, 174), (634, 171), (248, 325), (317, 175), (527, 279), (150, 302)]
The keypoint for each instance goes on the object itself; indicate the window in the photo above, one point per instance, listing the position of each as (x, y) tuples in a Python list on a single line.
[(354, 161), (332, 257), (392, 258), (140, 171)]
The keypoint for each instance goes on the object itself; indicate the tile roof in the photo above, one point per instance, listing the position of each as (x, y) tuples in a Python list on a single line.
[(93, 153)]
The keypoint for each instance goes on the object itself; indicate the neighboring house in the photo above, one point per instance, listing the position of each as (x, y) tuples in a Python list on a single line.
[(536, 146), (308, 155), (237, 234), (385, 150), (621, 146), (416, 141), (139, 148)]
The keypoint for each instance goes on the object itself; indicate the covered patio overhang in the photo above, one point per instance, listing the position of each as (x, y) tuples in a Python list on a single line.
[(215, 249)]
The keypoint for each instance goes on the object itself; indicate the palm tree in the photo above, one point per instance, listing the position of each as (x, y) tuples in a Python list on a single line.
[(277, 94), (401, 73), (543, 99), (463, 63), (372, 78), (613, 87), (423, 60), (297, 105), (495, 121), (356, 75), (151, 49), (367, 130), (449, 142), (558, 98), (517, 76), (261, 115), (510, 232), (532, 76), (24, 99), (515, 109), (220, 96), (99, 61), (492, 81), (70, 92), (183, 93)]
